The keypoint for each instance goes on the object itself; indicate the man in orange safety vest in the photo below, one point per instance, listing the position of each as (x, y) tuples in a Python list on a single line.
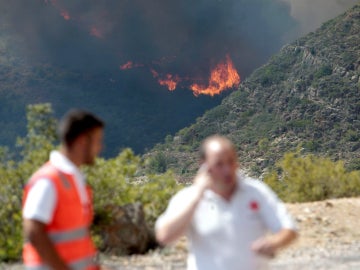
[(57, 203)]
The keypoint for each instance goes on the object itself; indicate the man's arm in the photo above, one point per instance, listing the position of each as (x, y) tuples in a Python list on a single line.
[(270, 245), (278, 220), (35, 233), (174, 224)]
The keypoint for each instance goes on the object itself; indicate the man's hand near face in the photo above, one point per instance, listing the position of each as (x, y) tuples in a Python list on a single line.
[(203, 179), (177, 221)]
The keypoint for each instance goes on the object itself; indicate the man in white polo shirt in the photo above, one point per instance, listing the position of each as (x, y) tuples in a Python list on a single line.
[(225, 215)]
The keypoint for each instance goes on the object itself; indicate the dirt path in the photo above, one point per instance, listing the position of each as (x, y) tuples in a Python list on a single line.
[(329, 239)]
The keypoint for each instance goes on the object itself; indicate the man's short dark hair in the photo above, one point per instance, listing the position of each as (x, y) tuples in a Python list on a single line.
[(75, 123)]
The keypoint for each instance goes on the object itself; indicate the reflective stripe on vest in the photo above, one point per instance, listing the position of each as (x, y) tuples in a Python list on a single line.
[(60, 237), (72, 235), (64, 180), (76, 265)]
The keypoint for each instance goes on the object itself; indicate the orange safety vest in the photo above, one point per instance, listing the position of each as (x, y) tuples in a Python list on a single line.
[(69, 227)]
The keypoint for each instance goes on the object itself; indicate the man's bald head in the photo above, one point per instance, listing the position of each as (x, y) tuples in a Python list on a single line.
[(219, 157), (215, 143)]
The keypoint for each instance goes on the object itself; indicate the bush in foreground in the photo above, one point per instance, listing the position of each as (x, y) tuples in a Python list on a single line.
[(310, 178), (115, 181)]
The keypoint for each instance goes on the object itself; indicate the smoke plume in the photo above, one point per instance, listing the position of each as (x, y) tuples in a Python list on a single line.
[(184, 37), (129, 53)]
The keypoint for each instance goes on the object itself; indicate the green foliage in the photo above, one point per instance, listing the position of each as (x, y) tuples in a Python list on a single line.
[(263, 144), (271, 74), (352, 135), (325, 70), (157, 163), (34, 150), (10, 216), (310, 178), (115, 181), (118, 178)]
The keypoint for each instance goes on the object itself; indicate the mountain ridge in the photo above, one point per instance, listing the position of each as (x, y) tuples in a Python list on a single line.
[(307, 96)]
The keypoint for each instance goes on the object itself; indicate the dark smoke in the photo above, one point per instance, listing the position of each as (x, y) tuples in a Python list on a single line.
[(185, 36), (91, 39)]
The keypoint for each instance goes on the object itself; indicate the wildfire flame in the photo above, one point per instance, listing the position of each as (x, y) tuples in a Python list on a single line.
[(94, 31), (170, 81), (130, 65), (222, 77)]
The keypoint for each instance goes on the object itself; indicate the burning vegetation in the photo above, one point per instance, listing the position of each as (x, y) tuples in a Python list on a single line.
[(224, 76)]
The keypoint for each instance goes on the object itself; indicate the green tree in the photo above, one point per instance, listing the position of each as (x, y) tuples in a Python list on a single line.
[(158, 163), (121, 180), (116, 181), (34, 150)]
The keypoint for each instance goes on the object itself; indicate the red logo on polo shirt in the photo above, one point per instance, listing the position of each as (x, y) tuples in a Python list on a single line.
[(254, 206)]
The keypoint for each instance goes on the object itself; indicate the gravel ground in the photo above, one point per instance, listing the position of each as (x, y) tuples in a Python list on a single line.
[(329, 240), (344, 257)]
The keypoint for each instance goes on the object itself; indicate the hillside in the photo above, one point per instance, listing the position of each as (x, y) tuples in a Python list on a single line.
[(308, 96), (120, 58), (138, 114)]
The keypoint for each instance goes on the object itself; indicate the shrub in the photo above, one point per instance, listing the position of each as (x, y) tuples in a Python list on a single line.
[(158, 163), (115, 181), (10, 215), (309, 178), (34, 150), (325, 70)]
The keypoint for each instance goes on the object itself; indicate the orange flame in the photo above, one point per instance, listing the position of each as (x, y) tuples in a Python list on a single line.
[(170, 81), (127, 65), (130, 65), (223, 77)]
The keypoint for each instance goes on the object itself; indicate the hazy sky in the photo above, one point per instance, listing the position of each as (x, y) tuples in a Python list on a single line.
[(312, 13)]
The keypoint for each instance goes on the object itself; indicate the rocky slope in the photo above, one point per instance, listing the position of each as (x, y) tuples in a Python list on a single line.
[(306, 96)]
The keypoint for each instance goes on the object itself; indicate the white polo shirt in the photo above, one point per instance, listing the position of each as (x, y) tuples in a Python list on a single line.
[(42, 197), (222, 232)]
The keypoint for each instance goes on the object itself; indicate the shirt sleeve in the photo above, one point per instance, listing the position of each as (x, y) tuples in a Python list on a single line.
[(175, 205), (40, 202), (274, 212)]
